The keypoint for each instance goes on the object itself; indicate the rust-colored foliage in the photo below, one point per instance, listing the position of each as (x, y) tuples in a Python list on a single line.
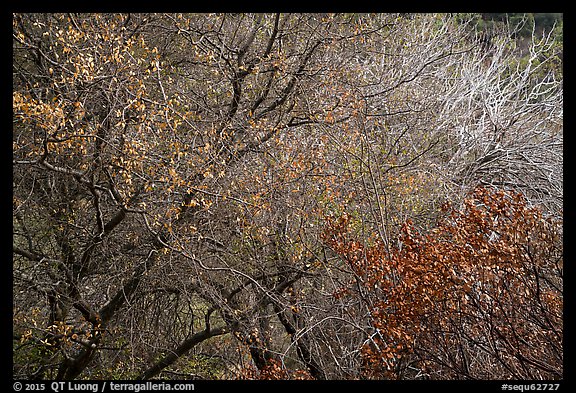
[(479, 296)]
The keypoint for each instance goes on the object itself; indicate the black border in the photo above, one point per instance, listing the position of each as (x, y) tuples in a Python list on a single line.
[(430, 6)]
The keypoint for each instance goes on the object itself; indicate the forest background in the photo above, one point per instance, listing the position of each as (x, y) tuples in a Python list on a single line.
[(287, 196)]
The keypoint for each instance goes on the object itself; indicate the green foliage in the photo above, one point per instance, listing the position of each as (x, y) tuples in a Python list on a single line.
[(524, 22), (202, 366)]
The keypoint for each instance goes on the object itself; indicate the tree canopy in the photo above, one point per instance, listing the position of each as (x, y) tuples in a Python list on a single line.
[(285, 196)]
